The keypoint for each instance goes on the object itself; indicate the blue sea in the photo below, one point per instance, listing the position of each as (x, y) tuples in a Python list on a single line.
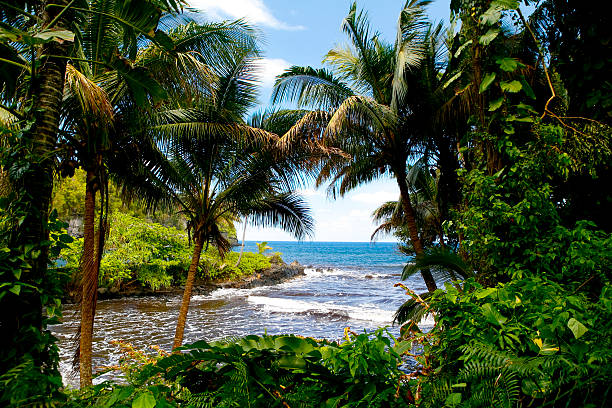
[(346, 284)]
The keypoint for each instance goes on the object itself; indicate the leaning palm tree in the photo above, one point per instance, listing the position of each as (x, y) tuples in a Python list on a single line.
[(367, 106), (423, 187), (105, 101), (213, 167)]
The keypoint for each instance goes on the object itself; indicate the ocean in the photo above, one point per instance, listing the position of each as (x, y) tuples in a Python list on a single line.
[(346, 284)]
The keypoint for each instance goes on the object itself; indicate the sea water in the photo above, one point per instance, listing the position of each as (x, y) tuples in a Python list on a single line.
[(346, 284)]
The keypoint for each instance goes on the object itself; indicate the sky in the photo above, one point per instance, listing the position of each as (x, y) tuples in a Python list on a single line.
[(300, 33)]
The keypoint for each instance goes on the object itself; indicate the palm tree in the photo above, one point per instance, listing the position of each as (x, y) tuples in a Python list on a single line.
[(107, 100), (423, 187), (372, 106), (214, 167), (43, 63)]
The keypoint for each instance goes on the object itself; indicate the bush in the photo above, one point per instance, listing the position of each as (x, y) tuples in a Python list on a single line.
[(157, 256), (267, 371)]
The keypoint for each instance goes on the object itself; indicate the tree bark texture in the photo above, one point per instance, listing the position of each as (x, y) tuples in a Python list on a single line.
[(193, 268), (89, 281), (22, 326), (412, 227)]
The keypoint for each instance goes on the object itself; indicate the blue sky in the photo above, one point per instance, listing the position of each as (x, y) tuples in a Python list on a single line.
[(300, 33)]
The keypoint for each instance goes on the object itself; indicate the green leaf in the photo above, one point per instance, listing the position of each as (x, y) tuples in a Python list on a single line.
[(15, 289), (140, 82), (452, 79), (54, 35), (513, 86), (461, 48), (66, 239), (17, 273), (507, 64), (491, 16), (487, 81), (489, 36), (453, 399), (401, 347), (576, 327), (145, 400), (493, 315), (164, 40), (506, 4), (496, 104), (485, 292), (527, 89)]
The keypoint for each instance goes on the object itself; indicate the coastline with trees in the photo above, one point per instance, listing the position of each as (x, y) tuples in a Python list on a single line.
[(496, 130)]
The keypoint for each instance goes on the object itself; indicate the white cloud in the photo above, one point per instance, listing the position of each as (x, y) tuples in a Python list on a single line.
[(254, 11), (310, 192), (269, 68), (360, 214), (378, 197)]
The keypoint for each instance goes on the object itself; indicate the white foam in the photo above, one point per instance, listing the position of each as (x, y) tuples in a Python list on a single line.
[(427, 321), (320, 272), (363, 312)]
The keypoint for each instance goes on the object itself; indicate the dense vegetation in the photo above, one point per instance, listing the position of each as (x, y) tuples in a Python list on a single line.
[(497, 131), (147, 254)]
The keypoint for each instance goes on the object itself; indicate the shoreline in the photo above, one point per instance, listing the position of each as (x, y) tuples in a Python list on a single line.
[(274, 275)]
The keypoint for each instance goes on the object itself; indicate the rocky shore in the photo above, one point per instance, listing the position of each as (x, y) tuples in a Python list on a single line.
[(275, 274)]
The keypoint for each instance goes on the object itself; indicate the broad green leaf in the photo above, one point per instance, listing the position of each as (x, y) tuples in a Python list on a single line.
[(507, 64), (66, 239), (17, 273), (291, 362), (453, 399), (402, 346), (15, 289), (527, 89), (295, 344), (55, 35), (164, 40), (487, 81), (496, 104), (489, 36), (45, 36), (512, 86), (491, 16), (145, 400), (576, 327), (493, 315), (485, 292)]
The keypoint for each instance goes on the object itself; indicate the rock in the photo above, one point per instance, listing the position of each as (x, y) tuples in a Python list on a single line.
[(102, 291), (369, 277)]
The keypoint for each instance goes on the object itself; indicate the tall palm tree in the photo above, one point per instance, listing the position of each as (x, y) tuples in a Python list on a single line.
[(111, 90), (43, 63), (423, 187), (373, 106), (214, 167)]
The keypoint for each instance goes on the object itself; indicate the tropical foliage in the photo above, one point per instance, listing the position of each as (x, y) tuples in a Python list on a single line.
[(496, 130), (266, 371), (152, 255)]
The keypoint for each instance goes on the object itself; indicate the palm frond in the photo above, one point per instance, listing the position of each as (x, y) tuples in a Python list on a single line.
[(440, 257), (310, 87)]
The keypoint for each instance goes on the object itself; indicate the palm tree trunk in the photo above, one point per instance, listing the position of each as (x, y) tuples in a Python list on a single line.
[(193, 268), (89, 283), (412, 227), (34, 190), (242, 246)]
